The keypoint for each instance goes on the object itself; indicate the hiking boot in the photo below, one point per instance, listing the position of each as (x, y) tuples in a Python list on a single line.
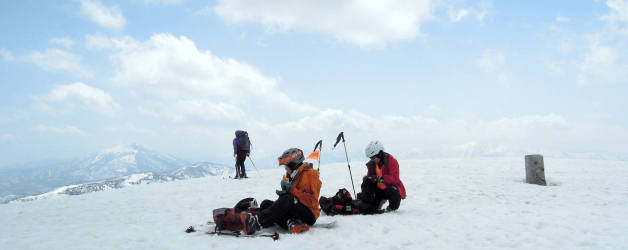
[(251, 225), (296, 226), (381, 204)]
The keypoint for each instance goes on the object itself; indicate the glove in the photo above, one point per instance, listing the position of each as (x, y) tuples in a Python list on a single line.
[(286, 185), (285, 188), (374, 178), (379, 179)]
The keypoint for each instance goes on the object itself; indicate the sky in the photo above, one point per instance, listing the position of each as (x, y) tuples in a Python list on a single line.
[(427, 78)]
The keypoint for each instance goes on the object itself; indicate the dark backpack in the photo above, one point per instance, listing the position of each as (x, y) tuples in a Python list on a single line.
[(341, 203), (244, 144)]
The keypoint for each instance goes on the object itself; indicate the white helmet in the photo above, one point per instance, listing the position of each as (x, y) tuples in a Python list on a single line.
[(373, 148)]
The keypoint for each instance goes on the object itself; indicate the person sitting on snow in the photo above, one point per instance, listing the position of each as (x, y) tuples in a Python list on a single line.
[(296, 209), (381, 182)]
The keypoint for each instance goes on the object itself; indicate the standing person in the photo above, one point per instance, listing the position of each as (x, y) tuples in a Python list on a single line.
[(381, 182), (241, 149), (296, 209)]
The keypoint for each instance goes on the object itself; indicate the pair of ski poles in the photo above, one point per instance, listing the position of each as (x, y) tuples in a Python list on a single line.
[(319, 145)]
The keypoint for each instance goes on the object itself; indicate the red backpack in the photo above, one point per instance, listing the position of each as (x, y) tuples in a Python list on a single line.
[(230, 218)]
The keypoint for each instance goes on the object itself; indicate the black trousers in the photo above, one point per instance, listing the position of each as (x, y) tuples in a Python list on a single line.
[(371, 197), (240, 158), (284, 208)]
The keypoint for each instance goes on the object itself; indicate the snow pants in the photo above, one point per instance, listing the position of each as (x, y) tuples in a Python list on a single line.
[(286, 207), (371, 197), (239, 166)]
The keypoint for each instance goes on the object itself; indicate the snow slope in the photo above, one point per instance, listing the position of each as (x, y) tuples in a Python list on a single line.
[(452, 204)]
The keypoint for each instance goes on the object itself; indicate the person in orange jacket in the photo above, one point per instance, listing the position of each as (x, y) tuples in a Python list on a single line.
[(296, 209), (381, 182)]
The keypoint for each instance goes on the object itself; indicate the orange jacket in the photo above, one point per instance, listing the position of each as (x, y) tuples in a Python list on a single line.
[(306, 186)]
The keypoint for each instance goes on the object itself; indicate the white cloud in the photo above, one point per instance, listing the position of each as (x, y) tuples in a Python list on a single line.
[(173, 69), (100, 42), (413, 134), (68, 130), (108, 17), (554, 67), (79, 95), (562, 19), (129, 127), (205, 11), (64, 42), (602, 64), (184, 110), (363, 23), (6, 55), (491, 61), (59, 60), (161, 2), (460, 14), (565, 46), (619, 11), (518, 127)]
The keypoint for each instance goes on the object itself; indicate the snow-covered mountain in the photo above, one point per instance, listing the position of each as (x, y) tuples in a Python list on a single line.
[(107, 169), (197, 170), (124, 160)]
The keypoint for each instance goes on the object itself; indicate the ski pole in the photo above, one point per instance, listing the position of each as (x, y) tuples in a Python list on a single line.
[(254, 165), (341, 135), (319, 144)]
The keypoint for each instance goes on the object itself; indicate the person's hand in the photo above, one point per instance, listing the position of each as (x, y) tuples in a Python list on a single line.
[(379, 179), (285, 188), (286, 185), (247, 154), (374, 178)]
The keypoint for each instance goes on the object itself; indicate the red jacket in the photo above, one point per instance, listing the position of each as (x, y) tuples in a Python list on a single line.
[(390, 173)]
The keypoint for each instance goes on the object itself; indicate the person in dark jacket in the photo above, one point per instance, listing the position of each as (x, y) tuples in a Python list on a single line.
[(241, 149), (381, 182)]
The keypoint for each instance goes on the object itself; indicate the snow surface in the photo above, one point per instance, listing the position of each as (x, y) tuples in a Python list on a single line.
[(452, 204)]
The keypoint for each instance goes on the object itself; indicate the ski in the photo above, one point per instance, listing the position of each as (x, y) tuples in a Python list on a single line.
[(327, 225), (274, 236), (205, 229)]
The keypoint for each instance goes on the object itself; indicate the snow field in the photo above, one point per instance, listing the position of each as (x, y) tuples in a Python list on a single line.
[(477, 203)]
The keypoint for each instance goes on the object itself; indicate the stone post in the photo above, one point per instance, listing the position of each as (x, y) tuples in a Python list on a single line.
[(535, 170)]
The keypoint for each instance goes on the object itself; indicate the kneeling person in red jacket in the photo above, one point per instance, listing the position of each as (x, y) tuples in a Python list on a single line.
[(381, 182)]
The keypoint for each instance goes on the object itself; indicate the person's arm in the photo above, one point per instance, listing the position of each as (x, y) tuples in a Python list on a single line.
[(235, 145), (309, 189), (393, 173)]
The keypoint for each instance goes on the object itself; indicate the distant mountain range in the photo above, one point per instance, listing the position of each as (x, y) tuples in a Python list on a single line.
[(111, 168)]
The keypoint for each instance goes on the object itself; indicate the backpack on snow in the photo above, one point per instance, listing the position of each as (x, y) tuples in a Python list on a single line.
[(230, 219), (341, 203), (244, 143)]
